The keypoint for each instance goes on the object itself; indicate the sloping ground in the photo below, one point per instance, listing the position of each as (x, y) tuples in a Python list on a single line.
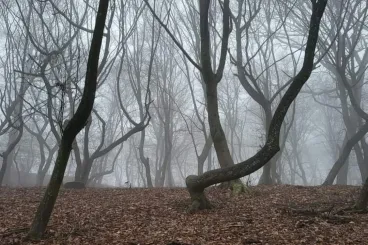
[(269, 215)]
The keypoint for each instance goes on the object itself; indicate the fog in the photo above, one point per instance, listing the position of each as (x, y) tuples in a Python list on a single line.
[(149, 124)]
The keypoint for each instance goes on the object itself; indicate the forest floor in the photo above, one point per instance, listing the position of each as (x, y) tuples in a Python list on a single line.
[(280, 214)]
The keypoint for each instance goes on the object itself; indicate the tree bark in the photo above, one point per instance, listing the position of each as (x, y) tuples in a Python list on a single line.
[(7, 155), (211, 80), (145, 160), (362, 201), (197, 184), (74, 126), (15, 134), (217, 133), (342, 175), (266, 177), (345, 154), (364, 169), (40, 179), (201, 159)]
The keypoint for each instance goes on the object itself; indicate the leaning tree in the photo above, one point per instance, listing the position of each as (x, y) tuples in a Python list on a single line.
[(229, 171), (197, 184), (72, 128)]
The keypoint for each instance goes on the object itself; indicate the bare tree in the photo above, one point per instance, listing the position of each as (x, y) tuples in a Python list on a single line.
[(347, 62), (45, 146), (12, 106), (229, 170), (72, 128), (197, 184), (137, 64), (256, 61)]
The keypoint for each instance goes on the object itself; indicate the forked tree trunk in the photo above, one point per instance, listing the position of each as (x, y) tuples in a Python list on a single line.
[(345, 154), (197, 184), (74, 126), (211, 80), (7, 155)]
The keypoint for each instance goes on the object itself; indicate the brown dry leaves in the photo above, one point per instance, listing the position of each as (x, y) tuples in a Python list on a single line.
[(269, 215)]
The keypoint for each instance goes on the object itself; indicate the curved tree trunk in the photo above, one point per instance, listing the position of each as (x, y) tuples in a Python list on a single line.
[(211, 80), (201, 159), (345, 154), (74, 126), (15, 134), (7, 154), (197, 184)]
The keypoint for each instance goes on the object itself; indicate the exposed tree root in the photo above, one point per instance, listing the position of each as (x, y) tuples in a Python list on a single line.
[(199, 202), (13, 231), (237, 187), (328, 214), (199, 199)]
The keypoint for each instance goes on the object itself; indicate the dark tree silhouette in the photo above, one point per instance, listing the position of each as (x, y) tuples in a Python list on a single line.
[(197, 184), (73, 127), (362, 200)]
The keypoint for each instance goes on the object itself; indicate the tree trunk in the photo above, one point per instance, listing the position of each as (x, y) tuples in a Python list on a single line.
[(8, 152), (170, 177), (43, 171), (3, 169), (218, 136), (197, 184), (303, 175), (46, 206), (10, 158), (40, 178), (201, 159), (200, 166), (73, 127), (87, 167), (78, 161), (217, 133), (361, 160), (342, 176), (15, 134), (362, 201), (209, 160), (345, 154), (145, 160), (266, 177)]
